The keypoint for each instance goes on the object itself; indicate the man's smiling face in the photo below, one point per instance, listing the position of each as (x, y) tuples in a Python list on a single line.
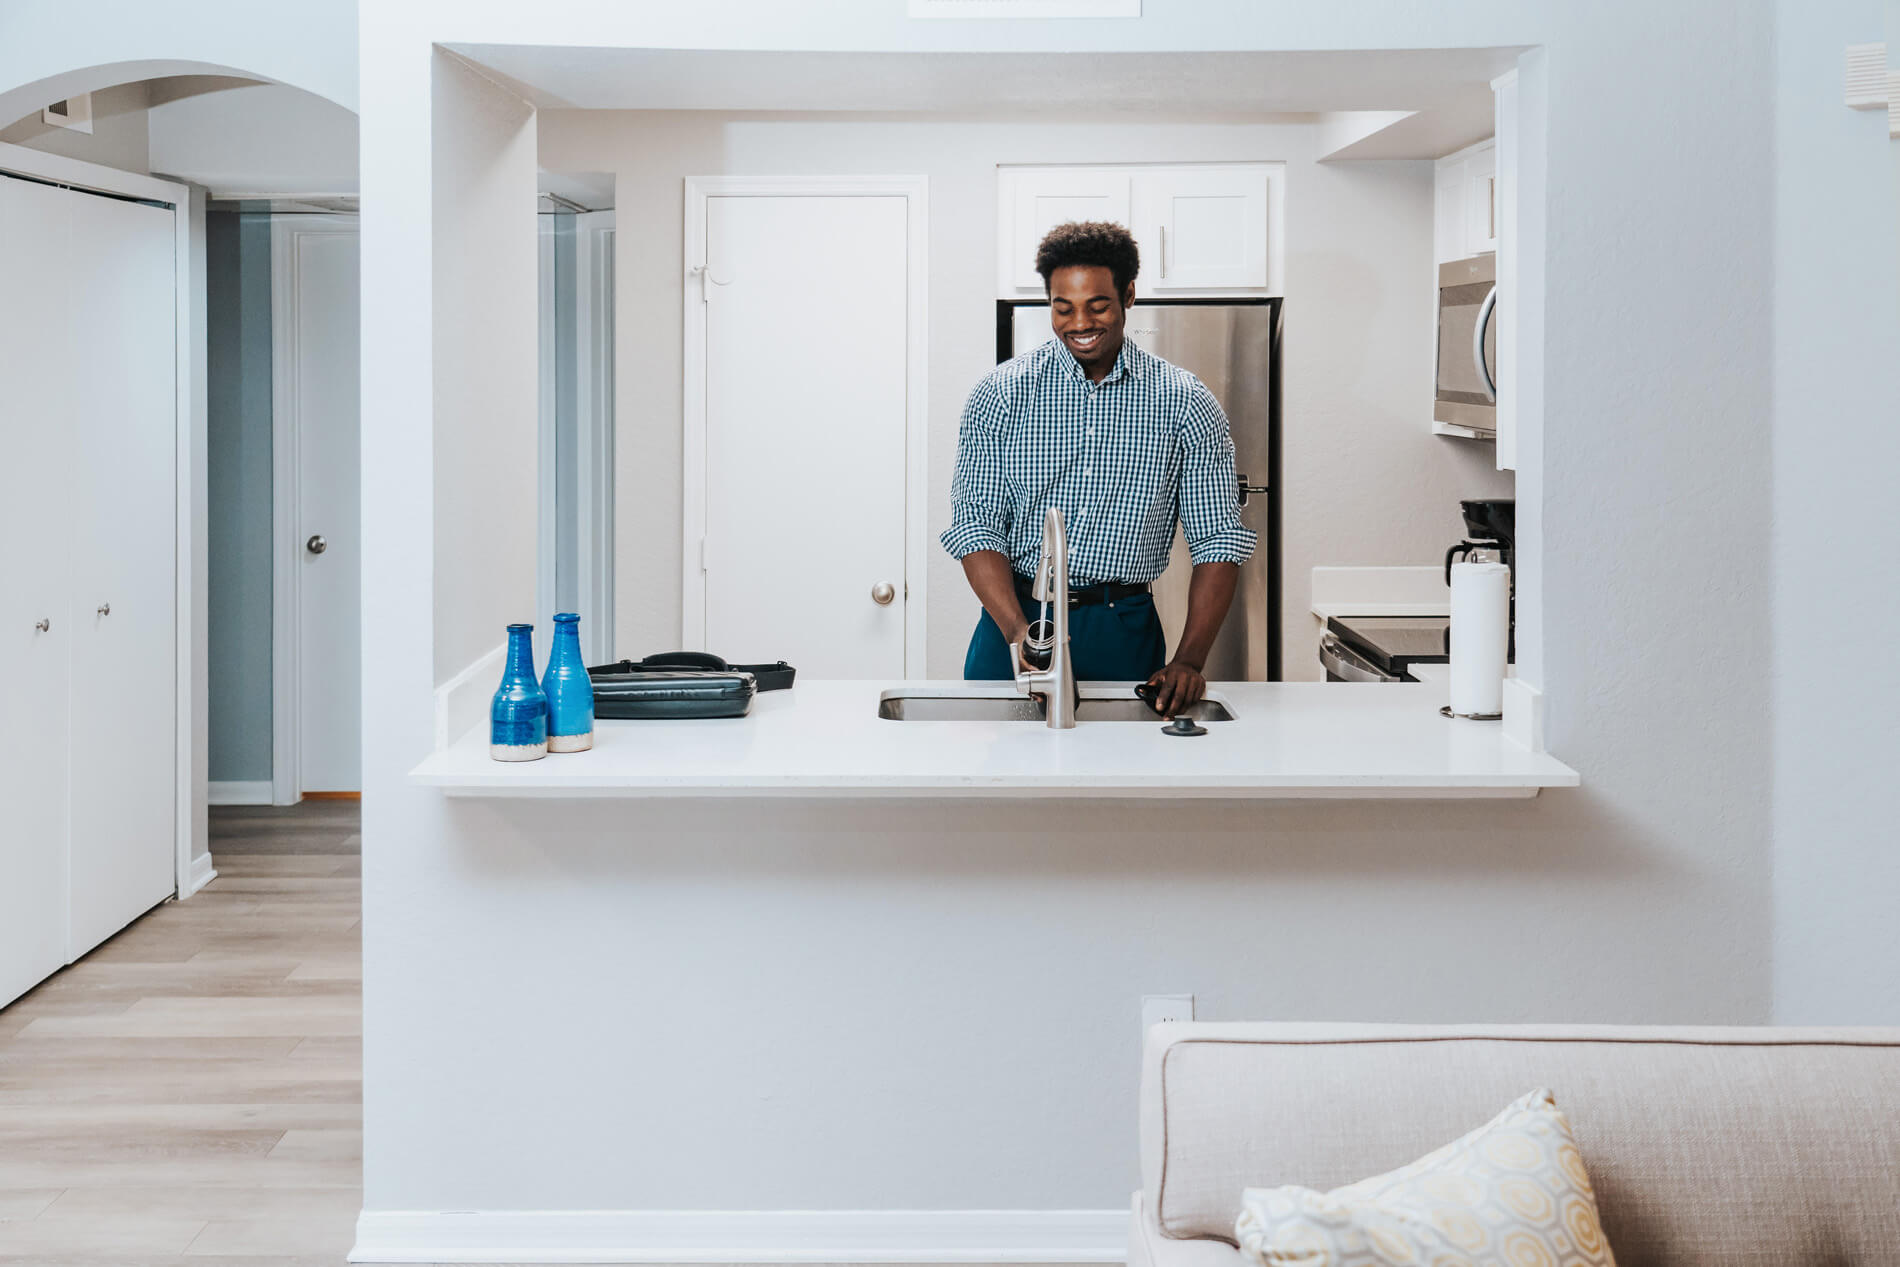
[(1088, 315)]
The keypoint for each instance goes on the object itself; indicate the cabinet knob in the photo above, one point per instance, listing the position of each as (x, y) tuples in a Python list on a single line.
[(43, 625), (105, 609), (882, 593)]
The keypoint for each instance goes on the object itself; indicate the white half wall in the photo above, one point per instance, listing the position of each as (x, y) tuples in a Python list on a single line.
[(871, 1009), (836, 1008)]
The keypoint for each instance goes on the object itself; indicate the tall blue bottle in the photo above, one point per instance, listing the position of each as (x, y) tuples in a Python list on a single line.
[(569, 690), (518, 716)]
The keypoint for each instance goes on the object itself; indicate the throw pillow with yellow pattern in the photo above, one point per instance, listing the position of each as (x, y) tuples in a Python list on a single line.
[(1514, 1192)]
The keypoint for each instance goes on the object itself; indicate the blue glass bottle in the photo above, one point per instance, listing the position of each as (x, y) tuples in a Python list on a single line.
[(518, 716), (569, 690)]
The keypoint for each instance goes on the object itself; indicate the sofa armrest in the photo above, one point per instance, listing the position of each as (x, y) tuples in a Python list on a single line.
[(1148, 1247), (1153, 1109)]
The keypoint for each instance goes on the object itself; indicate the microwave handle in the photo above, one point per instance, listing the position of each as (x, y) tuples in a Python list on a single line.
[(1485, 314)]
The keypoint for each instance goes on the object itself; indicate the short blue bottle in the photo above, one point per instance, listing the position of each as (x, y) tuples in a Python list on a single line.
[(569, 690), (518, 716)]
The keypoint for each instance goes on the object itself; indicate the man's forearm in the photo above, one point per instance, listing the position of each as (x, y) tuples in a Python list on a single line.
[(1210, 594), (994, 581)]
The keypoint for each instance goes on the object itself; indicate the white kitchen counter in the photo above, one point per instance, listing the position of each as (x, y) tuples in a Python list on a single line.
[(1291, 739)]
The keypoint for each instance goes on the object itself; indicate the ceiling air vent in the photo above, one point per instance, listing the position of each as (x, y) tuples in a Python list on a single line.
[(74, 113), (972, 10)]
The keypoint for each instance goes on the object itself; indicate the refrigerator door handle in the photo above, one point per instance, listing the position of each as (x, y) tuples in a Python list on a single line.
[(1244, 489)]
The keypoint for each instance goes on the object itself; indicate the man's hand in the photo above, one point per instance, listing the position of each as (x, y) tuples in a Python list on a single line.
[(1210, 592), (1179, 685)]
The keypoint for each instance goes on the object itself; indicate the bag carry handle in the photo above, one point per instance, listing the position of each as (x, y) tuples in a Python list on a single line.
[(686, 660)]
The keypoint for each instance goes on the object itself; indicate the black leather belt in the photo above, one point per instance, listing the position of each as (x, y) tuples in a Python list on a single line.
[(1084, 595)]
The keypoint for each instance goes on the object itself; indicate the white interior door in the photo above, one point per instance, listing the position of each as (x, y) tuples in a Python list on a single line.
[(324, 306), (807, 315), (121, 519), (36, 361)]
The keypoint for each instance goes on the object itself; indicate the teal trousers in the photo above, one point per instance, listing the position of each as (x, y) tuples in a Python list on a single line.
[(1111, 642)]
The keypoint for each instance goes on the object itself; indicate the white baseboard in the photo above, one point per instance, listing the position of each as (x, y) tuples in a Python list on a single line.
[(202, 873), (742, 1236), (254, 793), (462, 701)]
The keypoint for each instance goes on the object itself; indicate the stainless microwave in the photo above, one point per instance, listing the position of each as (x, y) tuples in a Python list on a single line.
[(1468, 344)]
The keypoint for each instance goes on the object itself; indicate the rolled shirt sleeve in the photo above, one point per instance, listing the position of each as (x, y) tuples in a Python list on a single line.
[(1209, 496), (980, 510)]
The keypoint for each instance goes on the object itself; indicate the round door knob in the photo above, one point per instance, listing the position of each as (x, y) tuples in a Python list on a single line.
[(316, 545), (43, 625), (882, 593), (105, 609)]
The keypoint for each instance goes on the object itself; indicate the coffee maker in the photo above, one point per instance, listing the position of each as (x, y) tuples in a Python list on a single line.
[(1490, 532)]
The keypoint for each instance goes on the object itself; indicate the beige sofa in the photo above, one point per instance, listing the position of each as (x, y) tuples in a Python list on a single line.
[(1706, 1146)]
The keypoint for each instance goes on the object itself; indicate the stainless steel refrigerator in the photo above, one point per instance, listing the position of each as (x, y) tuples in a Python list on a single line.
[(1233, 347)]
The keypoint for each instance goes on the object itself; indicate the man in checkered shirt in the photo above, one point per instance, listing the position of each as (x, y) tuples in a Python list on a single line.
[(1125, 444)]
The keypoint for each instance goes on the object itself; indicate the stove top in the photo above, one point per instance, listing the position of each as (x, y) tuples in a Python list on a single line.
[(1393, 642)]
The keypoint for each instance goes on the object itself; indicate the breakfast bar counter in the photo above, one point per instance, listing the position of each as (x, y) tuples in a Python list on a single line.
[(827, 739)]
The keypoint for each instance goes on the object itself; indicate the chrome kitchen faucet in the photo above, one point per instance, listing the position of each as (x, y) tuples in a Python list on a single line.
[(1055, 681)]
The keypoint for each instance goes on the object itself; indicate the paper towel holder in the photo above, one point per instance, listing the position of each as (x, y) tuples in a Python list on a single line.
[(1445, 711)]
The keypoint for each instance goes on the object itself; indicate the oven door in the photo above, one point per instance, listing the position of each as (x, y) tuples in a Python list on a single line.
[(1468, 343), (1343, 664)]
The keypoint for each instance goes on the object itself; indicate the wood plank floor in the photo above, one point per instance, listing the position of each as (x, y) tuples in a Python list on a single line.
[(192, 1090)]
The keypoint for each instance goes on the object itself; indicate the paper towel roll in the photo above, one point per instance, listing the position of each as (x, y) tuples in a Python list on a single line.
[(1480, 636)]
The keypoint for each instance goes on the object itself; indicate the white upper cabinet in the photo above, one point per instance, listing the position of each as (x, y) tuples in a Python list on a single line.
[(1047, 197), (1466, 209), (1204, 229)]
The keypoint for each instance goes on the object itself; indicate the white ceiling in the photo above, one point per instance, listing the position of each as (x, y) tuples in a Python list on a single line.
[(1250, 83), (1461, 120)]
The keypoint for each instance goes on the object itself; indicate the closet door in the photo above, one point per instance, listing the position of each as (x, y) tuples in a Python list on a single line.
[(122, 521), (35, 433)]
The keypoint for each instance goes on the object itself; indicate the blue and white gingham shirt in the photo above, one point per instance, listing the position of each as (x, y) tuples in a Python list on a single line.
[(1123, 459)]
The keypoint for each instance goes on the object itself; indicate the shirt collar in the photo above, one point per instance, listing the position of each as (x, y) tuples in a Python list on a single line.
[(1125, 364)]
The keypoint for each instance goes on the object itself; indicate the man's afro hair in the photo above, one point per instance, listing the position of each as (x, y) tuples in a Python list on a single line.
[(1090, 243)]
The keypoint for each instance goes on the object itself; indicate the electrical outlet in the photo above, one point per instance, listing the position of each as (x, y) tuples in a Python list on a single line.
[(1156, 1008)]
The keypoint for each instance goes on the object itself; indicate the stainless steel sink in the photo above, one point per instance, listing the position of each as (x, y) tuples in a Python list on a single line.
[(904, 706)]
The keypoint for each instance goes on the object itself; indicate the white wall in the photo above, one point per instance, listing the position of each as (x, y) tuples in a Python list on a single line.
[(486, 371), (50, 51), (1836, 549), (863, 1007), (1364, 480)]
